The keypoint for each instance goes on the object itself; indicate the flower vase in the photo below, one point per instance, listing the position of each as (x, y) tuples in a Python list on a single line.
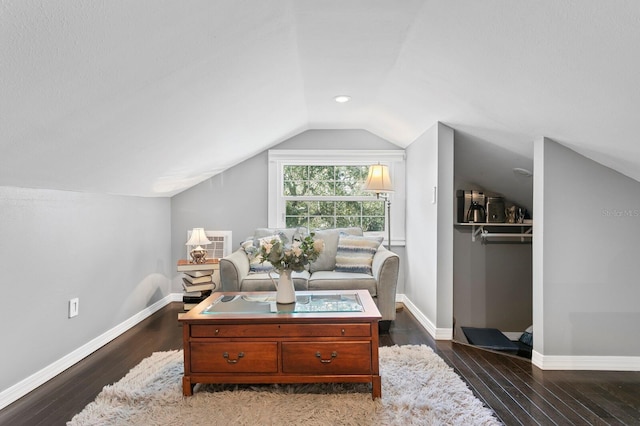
[(285, 293)]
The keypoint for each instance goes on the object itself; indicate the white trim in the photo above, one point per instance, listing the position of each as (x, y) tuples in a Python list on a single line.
[(395, 159), (336, 156), (436, 333), (585, 362), (38, 378)]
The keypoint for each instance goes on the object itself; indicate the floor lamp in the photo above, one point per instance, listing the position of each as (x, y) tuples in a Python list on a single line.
[(379, 181)]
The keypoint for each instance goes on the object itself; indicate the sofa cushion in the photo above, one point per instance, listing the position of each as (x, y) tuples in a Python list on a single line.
[(327, 259), (260, 281), (252, 247), (332, 280), (355, 253)]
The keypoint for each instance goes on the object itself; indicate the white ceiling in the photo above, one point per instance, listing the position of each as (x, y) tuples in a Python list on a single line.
[(149, 97)]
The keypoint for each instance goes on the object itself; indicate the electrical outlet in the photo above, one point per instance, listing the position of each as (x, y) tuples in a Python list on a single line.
[(73, 307)]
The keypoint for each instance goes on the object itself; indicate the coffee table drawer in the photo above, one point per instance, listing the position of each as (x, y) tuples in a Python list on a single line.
[(235, 330), (328, 330), (326, 357), (281, 330), (234, 357)]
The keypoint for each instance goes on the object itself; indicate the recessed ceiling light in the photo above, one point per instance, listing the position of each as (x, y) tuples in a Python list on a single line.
[(342, 99), (523, 172)]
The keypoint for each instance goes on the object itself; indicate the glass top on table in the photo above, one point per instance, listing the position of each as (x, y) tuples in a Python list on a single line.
[(260, 304)]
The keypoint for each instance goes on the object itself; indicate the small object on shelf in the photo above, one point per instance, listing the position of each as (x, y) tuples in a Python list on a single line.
[(464, 200), (476, 213), (516, 214), (495, 210)]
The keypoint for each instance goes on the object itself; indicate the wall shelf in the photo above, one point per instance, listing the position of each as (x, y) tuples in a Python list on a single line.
[(486, 231)]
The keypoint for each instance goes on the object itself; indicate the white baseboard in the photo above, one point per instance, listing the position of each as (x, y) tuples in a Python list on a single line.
[(436, 333), (25, 386), (600, 363)]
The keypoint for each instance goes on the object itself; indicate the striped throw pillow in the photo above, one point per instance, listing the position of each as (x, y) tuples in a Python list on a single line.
[(355, 253)]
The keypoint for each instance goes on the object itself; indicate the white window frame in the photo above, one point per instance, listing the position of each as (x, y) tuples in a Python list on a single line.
[(395, 159)]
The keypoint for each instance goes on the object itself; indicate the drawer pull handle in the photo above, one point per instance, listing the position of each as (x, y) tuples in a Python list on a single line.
[(326, 361), (232, 361)]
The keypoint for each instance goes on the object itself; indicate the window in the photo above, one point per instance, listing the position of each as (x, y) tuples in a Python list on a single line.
[(326, 196), (322, 189)]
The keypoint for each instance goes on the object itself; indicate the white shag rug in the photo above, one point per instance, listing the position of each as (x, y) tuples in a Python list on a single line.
[(418, 388)]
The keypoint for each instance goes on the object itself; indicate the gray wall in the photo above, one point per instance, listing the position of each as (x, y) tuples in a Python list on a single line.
[(112, 252), (236, 199), (586, 289), (429, 256)]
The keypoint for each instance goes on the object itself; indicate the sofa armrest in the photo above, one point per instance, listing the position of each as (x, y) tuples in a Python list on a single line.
[(233, 269), (385, 268)]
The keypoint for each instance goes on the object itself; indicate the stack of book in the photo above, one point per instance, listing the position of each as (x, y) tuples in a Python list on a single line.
[(198, 281)]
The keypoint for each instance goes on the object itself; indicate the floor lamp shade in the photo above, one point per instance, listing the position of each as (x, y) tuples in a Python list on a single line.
[(379, 181)]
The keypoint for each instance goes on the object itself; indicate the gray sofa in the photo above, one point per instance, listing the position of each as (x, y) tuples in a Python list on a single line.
[(240, 273)]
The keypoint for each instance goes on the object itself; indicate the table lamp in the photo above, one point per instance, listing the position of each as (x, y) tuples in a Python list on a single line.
[(198, 239)]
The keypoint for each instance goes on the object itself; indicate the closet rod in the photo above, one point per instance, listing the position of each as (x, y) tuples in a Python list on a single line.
[(478, 230), (492, 234)]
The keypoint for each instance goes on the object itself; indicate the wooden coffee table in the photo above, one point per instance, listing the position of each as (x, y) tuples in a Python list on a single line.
[(326, 336)]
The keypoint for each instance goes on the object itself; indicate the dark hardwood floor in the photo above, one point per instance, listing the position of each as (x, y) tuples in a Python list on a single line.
[(519, 393)]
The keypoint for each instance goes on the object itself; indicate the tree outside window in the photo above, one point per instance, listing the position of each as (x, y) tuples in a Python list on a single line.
[(326, 196)]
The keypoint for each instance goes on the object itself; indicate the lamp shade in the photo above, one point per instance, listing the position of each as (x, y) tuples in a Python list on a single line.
[(378, 179), (198, 238)]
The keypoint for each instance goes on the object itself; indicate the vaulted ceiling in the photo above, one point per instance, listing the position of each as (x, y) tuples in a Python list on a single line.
[(149, 97)]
